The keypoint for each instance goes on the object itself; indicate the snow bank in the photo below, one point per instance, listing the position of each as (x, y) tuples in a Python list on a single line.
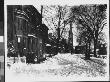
[(59, 67)]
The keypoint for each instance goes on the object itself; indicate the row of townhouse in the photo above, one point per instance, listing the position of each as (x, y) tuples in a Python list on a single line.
[(26, 31)]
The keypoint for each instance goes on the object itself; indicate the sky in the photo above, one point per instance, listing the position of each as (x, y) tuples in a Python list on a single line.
[(38, 7)]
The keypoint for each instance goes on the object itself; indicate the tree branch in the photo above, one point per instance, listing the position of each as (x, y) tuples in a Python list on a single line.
[(48, 24), (102, 28)]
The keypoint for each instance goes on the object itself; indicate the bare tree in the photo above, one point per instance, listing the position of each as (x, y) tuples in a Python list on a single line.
[(84, 38), (92, 18), (56, 17)]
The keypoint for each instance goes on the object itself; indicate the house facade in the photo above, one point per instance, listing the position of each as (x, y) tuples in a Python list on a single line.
[(27, 32)]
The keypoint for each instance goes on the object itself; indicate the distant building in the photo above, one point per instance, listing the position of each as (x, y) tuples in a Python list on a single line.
[(26, 31)]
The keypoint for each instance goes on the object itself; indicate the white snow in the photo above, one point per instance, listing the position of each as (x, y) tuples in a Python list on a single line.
[(61, 67)]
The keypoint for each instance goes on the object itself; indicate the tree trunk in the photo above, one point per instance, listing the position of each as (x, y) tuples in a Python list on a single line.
[(95, 47), (58, 29), (95, 43), (87, 54), (89, 50), (89, 47), (71, 38)]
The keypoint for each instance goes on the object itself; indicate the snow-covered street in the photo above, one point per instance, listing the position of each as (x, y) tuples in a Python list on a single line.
[(56, 42), (59, 67)]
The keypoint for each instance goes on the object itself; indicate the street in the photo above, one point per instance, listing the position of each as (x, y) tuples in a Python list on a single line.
[(59, 67), (41, 38)]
